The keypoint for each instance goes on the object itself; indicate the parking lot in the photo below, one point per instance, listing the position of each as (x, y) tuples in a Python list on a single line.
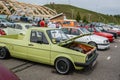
[(107, 68)]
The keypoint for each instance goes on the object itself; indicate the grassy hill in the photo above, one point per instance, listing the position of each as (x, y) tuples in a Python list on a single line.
[(71, 11)]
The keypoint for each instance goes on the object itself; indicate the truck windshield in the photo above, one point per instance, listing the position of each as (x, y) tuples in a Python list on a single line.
[(57, 35)]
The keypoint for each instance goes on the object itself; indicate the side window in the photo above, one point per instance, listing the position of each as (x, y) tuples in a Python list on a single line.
[(38, 37), (91, 29), (66, 30), (66, 22), (11, 26), (18, 27), (75, 32)]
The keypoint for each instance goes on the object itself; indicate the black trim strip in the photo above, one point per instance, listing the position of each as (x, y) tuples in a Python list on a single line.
[(103, 44)]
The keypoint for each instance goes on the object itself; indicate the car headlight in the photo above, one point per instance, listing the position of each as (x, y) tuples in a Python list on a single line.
[(106, 41)]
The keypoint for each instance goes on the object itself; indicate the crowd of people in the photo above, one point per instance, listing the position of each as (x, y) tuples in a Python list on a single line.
[(49, 24)]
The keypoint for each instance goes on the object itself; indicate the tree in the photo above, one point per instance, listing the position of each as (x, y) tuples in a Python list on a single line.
[(85, 19), (78, 17)]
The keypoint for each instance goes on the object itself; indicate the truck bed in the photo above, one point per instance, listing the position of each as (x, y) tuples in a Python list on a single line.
[(20, 37)]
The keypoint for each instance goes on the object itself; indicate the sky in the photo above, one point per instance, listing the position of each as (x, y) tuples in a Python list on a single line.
[(111, 7)]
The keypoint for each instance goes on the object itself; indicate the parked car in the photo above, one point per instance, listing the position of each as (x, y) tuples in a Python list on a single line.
[(49, 46), (94, 40), (108, 31), (98, 32), (15, 28), (115, 29), (6, 74), (4, 23)]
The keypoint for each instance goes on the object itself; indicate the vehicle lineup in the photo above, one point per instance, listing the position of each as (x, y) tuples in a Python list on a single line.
[(49, 46), (96, 31), (15, 28), (92, 39)]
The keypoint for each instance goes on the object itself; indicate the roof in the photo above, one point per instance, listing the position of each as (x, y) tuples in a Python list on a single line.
[(42, 28), (21, 9), (61, 14)]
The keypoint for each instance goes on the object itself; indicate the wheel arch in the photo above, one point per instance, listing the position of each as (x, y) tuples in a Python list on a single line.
[(66, 57), (93, 42)]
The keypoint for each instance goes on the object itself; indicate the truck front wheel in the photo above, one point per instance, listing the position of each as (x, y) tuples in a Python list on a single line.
[(63, 65), (4, 53)]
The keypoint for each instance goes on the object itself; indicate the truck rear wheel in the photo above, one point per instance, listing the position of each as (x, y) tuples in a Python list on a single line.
[(4, 53), (63, 65)]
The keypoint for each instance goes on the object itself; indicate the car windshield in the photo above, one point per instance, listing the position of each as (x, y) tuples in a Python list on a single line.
[(84, 31), (3, 20), (101, 28), (57, 35), (28, 26), (97, 29)]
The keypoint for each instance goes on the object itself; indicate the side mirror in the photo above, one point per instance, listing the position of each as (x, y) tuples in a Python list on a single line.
[(54, 41)]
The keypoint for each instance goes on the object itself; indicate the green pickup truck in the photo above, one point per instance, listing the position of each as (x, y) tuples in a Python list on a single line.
[(49, 46)]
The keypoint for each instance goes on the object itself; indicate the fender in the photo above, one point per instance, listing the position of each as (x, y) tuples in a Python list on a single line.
[(2, 45)]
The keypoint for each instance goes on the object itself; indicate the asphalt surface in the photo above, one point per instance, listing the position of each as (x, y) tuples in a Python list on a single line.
[(107, 68)]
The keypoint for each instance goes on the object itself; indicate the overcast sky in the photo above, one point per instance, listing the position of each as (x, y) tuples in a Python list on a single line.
[(101, 6)]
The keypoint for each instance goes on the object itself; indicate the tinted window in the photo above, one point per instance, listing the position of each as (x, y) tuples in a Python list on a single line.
[(91, 29), (75, 32), (18, 26), (28, 26), (66, 22), (37, 36), (66, 30)]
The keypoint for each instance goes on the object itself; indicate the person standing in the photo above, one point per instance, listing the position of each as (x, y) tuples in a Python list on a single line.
[(42, 23)]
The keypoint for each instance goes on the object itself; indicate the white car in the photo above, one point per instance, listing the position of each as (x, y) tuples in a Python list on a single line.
[(94, 40), (17, 28), (4, 23)]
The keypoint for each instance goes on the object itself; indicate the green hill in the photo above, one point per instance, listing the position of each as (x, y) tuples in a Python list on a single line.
[(71, 12)]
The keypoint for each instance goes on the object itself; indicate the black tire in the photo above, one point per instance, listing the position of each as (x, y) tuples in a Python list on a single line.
[(93, 44), (4, 53), (63, 66)]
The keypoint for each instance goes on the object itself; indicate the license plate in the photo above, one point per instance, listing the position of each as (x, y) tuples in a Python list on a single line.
[(93, 64)]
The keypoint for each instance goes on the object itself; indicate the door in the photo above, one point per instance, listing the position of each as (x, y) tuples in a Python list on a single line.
[(10, 30), (18, 29), (38, 48)]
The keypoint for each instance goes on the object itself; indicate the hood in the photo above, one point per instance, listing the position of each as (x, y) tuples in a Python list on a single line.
[(98, 37), (104, 34), (72, 39)]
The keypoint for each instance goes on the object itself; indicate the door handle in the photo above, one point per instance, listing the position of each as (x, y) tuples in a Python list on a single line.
[(30, 45)]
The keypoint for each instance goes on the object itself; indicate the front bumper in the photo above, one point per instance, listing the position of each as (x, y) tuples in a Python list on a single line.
[(88, 63), (103, 46)]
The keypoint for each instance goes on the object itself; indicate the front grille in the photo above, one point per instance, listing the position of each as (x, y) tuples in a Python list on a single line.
[(92, 53)]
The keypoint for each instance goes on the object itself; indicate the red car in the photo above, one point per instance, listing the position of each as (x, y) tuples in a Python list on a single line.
[(117, 31), (6, 74), (96, 31)]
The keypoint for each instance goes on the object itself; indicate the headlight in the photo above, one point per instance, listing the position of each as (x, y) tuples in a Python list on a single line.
[(106, 41)]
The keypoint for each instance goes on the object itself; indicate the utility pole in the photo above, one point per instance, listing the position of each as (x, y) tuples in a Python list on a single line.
[(72, 11), (89, 17)]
